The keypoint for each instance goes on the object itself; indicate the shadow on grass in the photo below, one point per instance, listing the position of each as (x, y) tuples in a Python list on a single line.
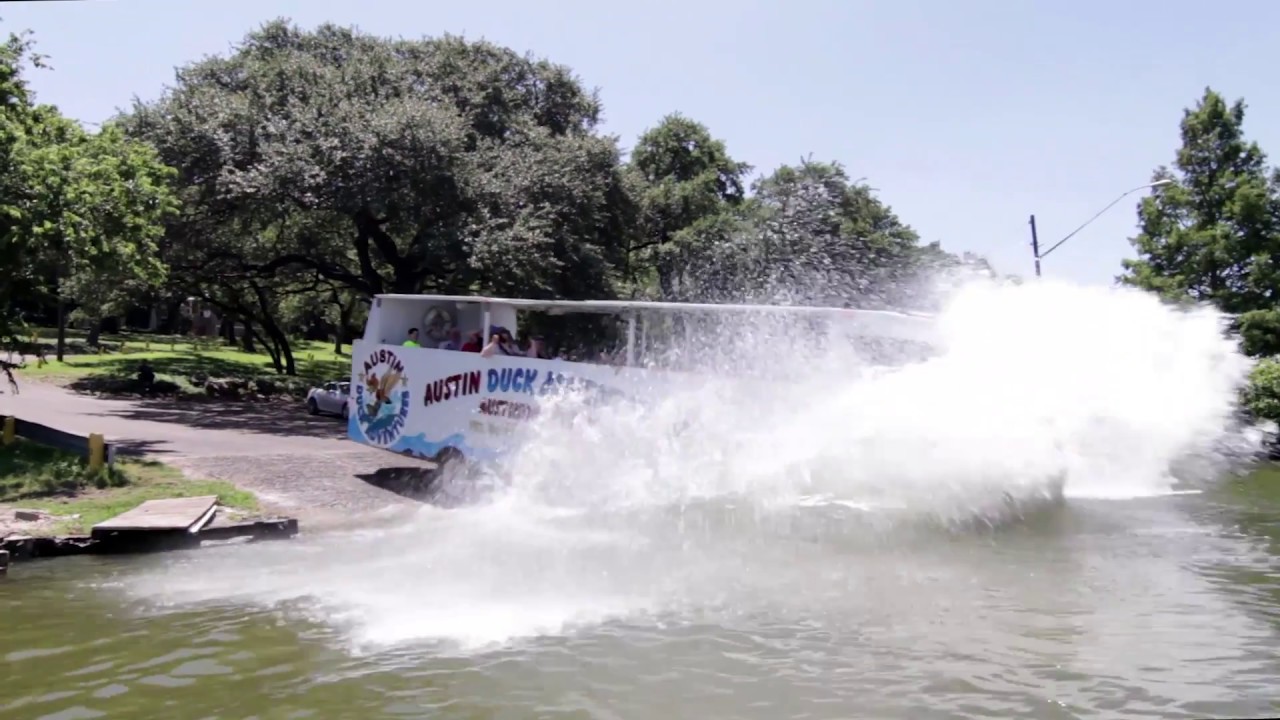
[(235, 383), (30, 470), (188, 365), (276, 418)]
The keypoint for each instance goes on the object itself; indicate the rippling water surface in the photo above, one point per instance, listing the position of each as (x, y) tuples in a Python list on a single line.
[(1161, 607)]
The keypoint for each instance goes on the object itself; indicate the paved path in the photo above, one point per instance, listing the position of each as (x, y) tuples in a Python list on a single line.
[(296, 463)]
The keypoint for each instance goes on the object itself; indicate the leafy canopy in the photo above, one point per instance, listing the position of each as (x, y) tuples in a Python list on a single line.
[(80, 214), (1213, 233), (393, 165)]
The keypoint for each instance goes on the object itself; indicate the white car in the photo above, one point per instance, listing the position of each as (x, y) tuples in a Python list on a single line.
[(333, 398)]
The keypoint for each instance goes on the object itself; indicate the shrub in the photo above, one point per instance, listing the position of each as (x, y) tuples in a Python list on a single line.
[(1262, 396)]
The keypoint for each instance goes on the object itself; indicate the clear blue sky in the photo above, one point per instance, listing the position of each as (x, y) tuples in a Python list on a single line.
[(967, 116)]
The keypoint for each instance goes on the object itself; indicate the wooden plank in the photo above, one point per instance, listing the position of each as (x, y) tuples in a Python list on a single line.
[(160, 515), (279, 528), (203, 520)]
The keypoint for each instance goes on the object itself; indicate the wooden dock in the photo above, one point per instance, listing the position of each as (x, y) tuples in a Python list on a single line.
[(186, 515)]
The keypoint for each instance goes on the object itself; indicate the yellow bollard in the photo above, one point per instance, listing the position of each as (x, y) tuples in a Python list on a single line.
[(97, 451), (10, 430)]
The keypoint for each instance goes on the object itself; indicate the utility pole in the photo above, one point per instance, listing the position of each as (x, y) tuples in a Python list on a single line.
[(1035, 242), (1035, 245)]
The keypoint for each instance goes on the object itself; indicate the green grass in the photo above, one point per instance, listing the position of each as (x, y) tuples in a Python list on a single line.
[(176, 360), (37, 477)]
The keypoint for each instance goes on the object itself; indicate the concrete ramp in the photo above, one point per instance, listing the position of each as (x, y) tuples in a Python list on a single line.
[(162, 516)]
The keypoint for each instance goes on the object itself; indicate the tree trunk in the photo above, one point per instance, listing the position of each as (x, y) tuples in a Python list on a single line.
[(62, 328), (173, 317), (282, 355), (344, 320), (272, 351), (277, 345), (95, 333), (290, 366)]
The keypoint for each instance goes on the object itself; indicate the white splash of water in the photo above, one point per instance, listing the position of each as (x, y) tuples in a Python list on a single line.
[(1100, 389), (725, 492)]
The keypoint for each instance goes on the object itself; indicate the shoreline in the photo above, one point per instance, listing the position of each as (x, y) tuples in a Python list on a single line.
[(293, 464)]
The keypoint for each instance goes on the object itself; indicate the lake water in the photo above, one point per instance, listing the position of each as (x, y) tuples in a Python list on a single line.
[(1157, 607)]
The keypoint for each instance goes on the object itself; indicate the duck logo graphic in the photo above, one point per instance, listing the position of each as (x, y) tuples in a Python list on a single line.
[(382, 398)]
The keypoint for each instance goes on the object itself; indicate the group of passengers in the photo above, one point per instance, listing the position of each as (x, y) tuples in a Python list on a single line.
[(500, 342)]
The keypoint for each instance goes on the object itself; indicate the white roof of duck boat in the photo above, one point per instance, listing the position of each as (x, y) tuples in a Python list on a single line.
[(623, 306), (889, 322)]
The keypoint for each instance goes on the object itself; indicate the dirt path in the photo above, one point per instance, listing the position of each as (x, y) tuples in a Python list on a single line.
[(296, 463)]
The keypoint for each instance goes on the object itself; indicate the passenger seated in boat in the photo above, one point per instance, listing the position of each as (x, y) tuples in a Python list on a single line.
[(494, 346), (412, 341), (508, 344), (538, 348), (452, 341), (500, 343), (473, 344), (534, 346)]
